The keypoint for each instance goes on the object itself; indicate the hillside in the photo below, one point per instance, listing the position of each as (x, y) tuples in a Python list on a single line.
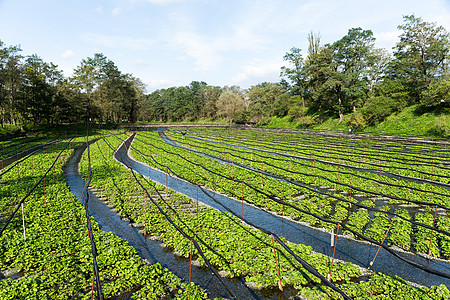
[(410, 121)]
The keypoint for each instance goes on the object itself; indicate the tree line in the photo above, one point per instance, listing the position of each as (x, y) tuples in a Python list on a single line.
[(348, 76), (35, 92), (352, 76)]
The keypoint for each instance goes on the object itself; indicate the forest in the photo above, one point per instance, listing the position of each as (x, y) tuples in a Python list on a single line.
[(348, 76)]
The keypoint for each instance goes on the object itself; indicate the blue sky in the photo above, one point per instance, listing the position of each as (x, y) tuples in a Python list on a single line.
[(173, 42)]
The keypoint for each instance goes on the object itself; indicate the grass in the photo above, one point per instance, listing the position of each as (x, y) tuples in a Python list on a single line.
[(412, 121)]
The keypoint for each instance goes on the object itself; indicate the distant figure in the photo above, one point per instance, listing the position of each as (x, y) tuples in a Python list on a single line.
[(350, 131)]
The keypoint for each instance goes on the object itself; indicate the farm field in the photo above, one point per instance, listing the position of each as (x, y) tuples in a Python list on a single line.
[(386, 194)]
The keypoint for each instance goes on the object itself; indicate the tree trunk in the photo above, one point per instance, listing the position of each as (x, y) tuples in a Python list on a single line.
[(341, 115), (13, 119)]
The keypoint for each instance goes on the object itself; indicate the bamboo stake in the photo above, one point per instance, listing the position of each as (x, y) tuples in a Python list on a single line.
[(145, 218), (92, 287)]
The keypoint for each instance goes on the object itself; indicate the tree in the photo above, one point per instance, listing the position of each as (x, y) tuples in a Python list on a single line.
[(10, 81), (319, 70), (231, 103), (208, 96), (111, 96), (40, 86), (438, 93), (421, 56), (87, 76), (351, 58), (295, 74), (378, 61), (196, 102), (262, 98)]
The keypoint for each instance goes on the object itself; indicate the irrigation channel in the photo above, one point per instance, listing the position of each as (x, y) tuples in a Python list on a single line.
[(357, 252), (152, 250)]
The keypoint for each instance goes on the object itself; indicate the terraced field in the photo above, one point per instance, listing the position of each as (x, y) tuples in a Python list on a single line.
[(287, 215)]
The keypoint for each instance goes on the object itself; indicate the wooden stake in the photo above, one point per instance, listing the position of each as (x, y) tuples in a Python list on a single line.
[(197, 204), (145, 218), (282, 205), (242, 199), (190, 272), (431, 235), (334, 251), (280, 286), (379, 247), (23, 224), (92, 287), (44, 191)]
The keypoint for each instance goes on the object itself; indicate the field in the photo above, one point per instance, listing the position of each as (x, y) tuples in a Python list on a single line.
[(388, 197)]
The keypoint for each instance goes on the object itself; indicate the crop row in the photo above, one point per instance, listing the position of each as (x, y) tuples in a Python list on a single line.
[(14, 146), (312, 171), (429, 167), (223, 242), (423, 239), (226, 242), (46, 251), (406, 149), (306, 199)]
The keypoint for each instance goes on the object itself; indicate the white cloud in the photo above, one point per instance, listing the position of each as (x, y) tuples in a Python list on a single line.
[(68, 54), (142, 63), (258, 71), (203, 50), (99, 9), (208, 47), (112, 41), (116, 11)]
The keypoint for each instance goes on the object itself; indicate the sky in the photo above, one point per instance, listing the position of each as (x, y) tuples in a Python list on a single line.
[(169, 43)]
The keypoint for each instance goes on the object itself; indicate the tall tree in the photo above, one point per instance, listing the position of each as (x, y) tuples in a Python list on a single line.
[(262, 98), (296, 72), (196, 102), (209, 95), (231, 103), (10, 81), (421, 56), (319, 70), (352, 58), (40, 87), (87, 76)]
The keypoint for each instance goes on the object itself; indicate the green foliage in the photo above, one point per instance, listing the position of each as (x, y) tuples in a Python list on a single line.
[(410, 122), (55, 259), (438, 94), (420, 55), (379, 286), (377, 108)]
